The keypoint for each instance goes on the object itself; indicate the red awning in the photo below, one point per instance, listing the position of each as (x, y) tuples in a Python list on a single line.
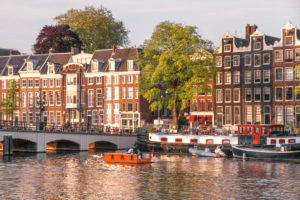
[(193, 118)]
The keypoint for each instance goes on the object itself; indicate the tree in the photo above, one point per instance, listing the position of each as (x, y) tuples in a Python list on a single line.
[(175, 67), (59, 37), (10, 103), (96, 27)]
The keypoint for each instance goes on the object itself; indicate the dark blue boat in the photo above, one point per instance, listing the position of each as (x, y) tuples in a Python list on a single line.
[(240, 151)]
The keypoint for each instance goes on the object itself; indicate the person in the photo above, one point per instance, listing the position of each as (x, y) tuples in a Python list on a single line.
[(130, 151), (139, 153)]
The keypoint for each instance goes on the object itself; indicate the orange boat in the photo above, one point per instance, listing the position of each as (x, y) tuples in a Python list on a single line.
[(127, 158)]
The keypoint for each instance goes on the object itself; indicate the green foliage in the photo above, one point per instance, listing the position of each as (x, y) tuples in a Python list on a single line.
[(96, 27), (10, 103), (176, 65)]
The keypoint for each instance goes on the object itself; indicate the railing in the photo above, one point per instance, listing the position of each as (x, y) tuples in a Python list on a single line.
[(67, 128)]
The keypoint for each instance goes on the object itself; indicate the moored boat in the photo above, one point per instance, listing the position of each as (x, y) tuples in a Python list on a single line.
[(264, 152), (127, 158), (205, 153)]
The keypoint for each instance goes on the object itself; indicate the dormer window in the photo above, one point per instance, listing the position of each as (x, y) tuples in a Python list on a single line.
[(227, 47), (51, 68), (257, 45), (130, 64), (10, 70), (94, 66), (29, 66), (289, 40), (112, 65)]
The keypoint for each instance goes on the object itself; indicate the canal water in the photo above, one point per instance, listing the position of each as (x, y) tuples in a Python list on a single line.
[(86, 176)]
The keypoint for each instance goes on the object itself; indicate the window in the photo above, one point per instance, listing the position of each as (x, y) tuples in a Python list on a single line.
[(247, 59), (4, 84), (257, 114), (248, 94), (237, 114), (267, 94), (90, 97), (112, 65), (249, 115), (267, 76), (23, 100), (288, 73), (278, 74), (267, 114), (29, 66), (227, 77), (107, 80), (236, 60), (209, 105), (51, 98), (236, 94), (219, 78), (136, 93), (129, 107), (279, 114), (257, 94), (36, 99), (24, 83), (123, 79), (10, 71), (257, 76), (51, 83), (267, 59), (129, 93), (108, 113), (58, 118), (24, 117), (44, 98), (227, 61), (30, 117), (58, 99), (99, 97), (219, 95), (116, 93), (98, 80), (288, 93), (94, 66), (123, 93), (289, 115), (30, 99), (227, 47), (37, 117), (278, 94), (201, 105), (227, 95), (108, 93), (194, 105), (51, 68), (257, 61), (297, 54), (94, 117), (130, 64), (51, 117), (219, 61), (257, 45), (90, 81), (288, 40), (227, 115), (37, 83), (289, 55), (58, 83), (44, 83), (278, 55), (236, 77), (115, 79), (136, 79), (30, 83), (247, 77), (129, 79), (219, 115)]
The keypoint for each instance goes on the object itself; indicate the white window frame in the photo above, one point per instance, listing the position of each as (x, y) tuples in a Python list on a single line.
[(276, 94), (267, 73), (288, 71), (266, 63), (255, 90), (264, 92), (288, 44), (285, 94), (236, 58), (219, 61), (248, 81), (227, 77), (219, 96), (254, 75), (255, 47), (248, 89), (226, 90), (227, 65), (280, 51), (247, 64), (297, 51), (254, 62), (239, 95), (281, 74), (219, 78)]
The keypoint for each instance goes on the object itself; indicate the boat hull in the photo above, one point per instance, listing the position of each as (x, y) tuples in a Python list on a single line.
[(126, 158), (247, 152)]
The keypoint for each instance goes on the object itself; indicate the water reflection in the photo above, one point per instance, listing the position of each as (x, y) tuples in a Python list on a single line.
[(85, 175)]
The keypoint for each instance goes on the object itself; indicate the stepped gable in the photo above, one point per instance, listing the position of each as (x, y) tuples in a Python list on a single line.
[(120, 56)]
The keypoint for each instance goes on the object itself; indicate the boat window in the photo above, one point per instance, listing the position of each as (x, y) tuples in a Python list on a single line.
[(225, 141), (249, 130), (257, 130), (282, 141), (242, 130), (265, 131), (273, 141), (209, 141), (194, 141), (292, 141), (164, 139), (178, 140)]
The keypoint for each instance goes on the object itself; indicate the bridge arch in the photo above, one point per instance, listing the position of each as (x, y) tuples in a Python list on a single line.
[(62, 145), (107, 145), (22, 145)]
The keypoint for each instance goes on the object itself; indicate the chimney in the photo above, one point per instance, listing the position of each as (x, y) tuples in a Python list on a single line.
[(114, 49), (10, 52), (250, 30), (51, 50), (72, 50)]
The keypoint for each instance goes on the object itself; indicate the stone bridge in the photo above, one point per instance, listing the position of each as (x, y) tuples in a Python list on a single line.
[(41, 141)]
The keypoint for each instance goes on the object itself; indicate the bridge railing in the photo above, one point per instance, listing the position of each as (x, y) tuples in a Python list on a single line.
[(66, 128)]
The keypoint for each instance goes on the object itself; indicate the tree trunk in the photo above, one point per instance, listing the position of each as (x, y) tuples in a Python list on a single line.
[(175, 123)]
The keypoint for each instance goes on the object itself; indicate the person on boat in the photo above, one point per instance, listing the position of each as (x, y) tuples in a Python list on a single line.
[(139, 153), (130, 151)]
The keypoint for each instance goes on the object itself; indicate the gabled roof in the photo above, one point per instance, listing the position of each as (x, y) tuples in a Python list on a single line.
[(58, 59), (121, 56), (17, 61), (38, 61)]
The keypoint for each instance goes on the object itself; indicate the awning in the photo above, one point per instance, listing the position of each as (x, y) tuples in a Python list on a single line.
[(193, 118)]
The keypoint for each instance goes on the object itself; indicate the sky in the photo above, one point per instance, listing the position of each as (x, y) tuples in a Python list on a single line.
[(22, 20)]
